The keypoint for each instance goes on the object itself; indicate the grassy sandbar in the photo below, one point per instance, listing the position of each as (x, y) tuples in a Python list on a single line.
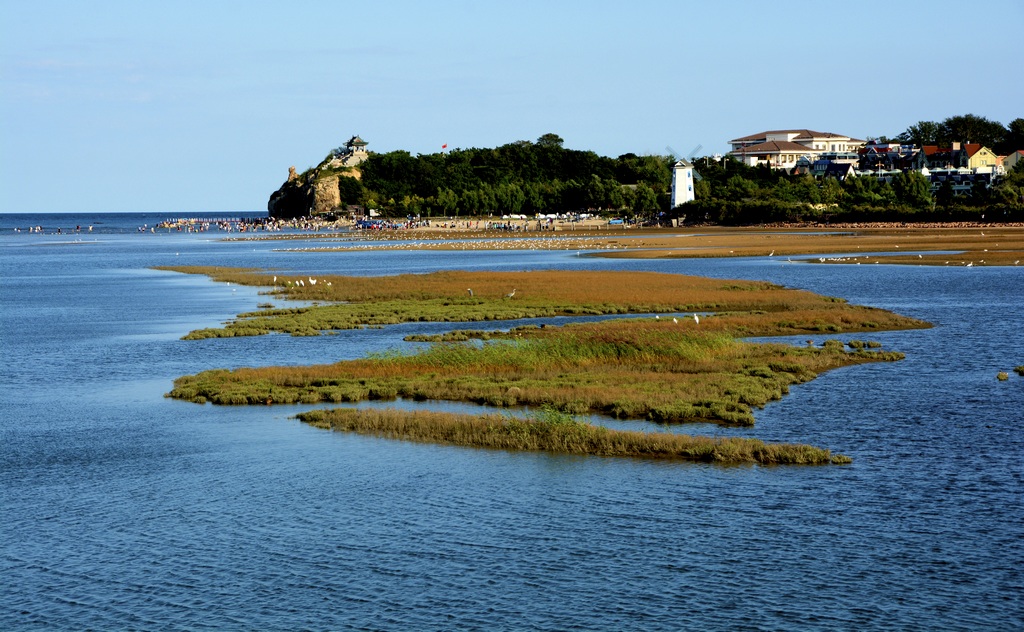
[(753, 308), (555, 433), (625, 368), (671, 369)]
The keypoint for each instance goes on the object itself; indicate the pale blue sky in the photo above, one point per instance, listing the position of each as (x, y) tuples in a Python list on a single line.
[(196, 106)]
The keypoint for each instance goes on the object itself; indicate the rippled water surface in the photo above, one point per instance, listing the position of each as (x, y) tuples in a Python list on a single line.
[(125, 510)]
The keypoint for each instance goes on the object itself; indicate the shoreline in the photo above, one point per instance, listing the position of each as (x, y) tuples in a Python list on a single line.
[(943, 244)]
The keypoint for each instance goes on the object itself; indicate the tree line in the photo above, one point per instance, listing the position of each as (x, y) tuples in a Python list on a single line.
[(543, 176), (523, 177), (965, 128), (732, 193)]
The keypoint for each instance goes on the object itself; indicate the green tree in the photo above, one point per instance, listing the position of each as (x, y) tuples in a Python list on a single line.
[(533, 198), (550, 140), (831, 191), (509, 198), (614, 196), (702, 189), (594, 193), (968, 128), (1014, 137), (645, 201), (738, 188), (863, 190), (447, 201), (912, 188), (981, 195), (350, 190), (389, 174), (920, 134), (944, 196)]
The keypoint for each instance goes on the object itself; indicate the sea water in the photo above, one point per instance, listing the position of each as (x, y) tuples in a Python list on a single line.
[(121, 509)]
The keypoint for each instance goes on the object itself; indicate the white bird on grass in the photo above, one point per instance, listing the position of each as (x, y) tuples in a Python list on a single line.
[(470, 290), (696, 319), (511, 294), (675, 320)]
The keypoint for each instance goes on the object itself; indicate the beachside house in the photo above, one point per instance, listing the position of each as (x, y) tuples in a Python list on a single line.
[(782, 149), (972, 156), (980, 159), (876, 155), (1011, 160)]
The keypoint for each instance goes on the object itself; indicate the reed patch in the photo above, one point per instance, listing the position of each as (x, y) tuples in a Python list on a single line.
[(550, 430), (462, 296), (624, 368)]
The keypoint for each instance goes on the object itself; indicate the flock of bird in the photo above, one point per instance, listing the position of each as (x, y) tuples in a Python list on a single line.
[(504, 243), (696, 319), (300, 282)]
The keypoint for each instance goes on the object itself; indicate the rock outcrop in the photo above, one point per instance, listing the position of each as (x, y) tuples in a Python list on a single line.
[(311, 193), (293, 199), (326, 195), (319, 190)]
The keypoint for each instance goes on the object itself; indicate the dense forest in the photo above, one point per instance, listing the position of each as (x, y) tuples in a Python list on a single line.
[(527, 177)]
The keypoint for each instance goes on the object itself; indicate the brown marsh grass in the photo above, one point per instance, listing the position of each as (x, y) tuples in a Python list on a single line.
[(983, 244), (995, 245), (446, 297), (560, 436)]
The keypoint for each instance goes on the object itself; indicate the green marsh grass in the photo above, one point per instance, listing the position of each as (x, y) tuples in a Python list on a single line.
[(625, 368), (554, 431)]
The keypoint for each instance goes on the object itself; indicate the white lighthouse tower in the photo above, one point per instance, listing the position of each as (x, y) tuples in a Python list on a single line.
[(682, 182)]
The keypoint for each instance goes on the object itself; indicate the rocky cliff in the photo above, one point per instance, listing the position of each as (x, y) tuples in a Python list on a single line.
[(314, 192)]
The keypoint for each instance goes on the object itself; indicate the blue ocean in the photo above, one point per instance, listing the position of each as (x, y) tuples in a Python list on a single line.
[(121, 509)]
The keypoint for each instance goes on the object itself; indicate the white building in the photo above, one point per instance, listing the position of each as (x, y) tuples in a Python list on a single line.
[(682, 182), (782, 148)]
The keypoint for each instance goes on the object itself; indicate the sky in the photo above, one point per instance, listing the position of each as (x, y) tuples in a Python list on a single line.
[(182, 106)]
